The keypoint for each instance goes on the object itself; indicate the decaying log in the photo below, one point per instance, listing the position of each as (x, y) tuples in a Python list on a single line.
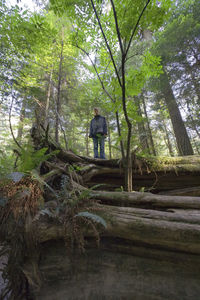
[(155, 229), (191, 191), (157, 174), (163, 234), (170, 216), (147, 200), (158, 221)]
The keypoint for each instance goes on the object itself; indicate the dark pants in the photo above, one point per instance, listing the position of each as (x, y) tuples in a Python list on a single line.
[(99, 141)]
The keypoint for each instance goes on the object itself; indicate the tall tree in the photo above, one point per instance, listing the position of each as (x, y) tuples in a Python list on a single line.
[(178, 45), (183, 141)]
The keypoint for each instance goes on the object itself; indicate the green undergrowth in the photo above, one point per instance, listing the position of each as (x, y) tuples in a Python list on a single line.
[(21, 206)]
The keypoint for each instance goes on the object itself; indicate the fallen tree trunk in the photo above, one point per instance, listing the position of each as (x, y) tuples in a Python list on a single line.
[(155, 229), (147, 200), (160, 174), (191, 191)]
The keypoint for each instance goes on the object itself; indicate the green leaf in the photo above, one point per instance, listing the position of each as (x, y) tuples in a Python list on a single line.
[(35, 175)]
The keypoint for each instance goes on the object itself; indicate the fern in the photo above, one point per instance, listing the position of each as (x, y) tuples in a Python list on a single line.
[(44, 212), (35, 175), (6, 163), (30, 159), (93, 217)]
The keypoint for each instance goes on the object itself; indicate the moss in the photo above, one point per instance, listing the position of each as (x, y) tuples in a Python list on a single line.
[(178, 163)]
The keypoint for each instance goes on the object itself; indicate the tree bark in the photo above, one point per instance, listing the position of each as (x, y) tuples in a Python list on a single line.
[(168, 142), (120, 136), (182, 139), (148, 126), (141, 129), (155, 229), (46, 119), (21, 122), (58, 101), (147, 200), (109, 138), (87, 138)]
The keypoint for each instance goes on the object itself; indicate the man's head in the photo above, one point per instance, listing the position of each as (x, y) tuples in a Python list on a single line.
[(96, 111)]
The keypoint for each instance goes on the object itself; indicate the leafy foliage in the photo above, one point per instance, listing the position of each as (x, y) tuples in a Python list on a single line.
[(78, 216), (31, 159), (6, 164)]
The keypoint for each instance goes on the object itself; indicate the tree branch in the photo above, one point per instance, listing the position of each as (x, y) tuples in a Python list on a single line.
[(106, 41), (96, 71), (136, 26), (117, 27)]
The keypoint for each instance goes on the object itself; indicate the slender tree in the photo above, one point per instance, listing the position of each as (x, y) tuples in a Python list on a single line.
[(122, 32)]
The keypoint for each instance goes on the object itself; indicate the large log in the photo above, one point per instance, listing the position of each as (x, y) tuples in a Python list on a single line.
[(146, 200), (156, 232), (157, 174), (154, 220), (155, 229), (191, 191)]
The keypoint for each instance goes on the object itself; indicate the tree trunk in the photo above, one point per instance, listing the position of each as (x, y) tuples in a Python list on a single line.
[(21, 122), (46, 119), (128, 171), (141, 129), (127, 161), (58, 102), (109, 138), (148, 126), (168, 141), (182, 139), (87, 137)]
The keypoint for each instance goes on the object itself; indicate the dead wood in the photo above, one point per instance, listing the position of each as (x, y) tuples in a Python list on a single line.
[(158, 221), (147, 200), (163, 230), (191, 191)]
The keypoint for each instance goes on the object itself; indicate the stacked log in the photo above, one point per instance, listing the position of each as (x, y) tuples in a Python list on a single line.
[(157, 221)]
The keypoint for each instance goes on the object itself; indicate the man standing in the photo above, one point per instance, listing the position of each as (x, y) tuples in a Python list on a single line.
[(98, 131)]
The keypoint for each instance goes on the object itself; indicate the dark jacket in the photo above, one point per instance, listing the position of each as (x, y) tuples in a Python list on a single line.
[(98, 125)]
